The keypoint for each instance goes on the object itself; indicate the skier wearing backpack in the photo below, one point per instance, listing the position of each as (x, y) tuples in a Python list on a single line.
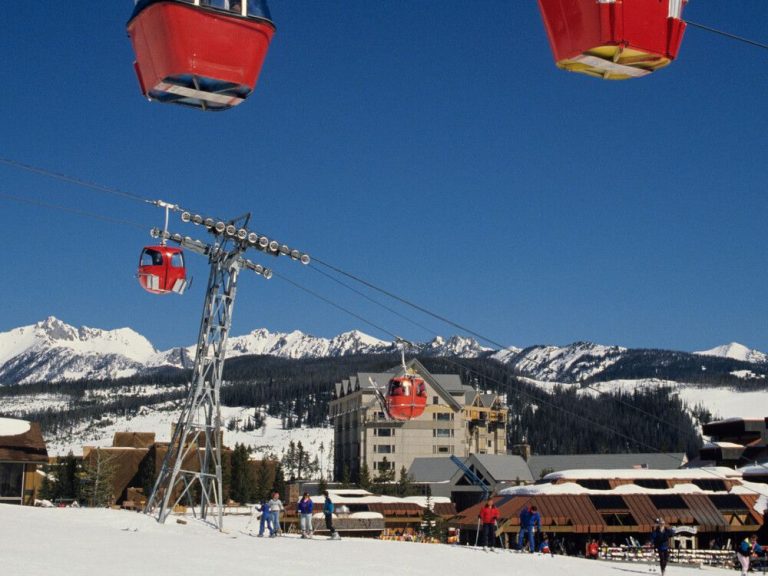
[(748, 550)]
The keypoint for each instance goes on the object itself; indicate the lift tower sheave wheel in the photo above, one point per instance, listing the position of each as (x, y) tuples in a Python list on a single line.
[(191, 473)]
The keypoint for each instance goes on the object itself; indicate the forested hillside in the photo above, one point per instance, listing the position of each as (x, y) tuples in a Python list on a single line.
[(553, 420)]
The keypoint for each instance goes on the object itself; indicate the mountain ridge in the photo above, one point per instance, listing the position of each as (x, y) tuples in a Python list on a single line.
[(52, 350)]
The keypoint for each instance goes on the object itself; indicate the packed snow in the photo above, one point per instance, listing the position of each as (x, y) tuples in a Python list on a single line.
[(94, 542)]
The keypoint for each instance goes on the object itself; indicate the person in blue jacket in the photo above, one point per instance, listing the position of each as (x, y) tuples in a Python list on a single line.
[(305, 520), (530, 522), (266, 518), (660, 540), (328, 508)]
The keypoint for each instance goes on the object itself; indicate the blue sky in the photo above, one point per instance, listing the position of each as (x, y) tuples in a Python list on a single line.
[(430, 147)]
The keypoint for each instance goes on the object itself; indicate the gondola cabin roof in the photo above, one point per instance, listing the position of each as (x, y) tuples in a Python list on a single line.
[(206, 54)]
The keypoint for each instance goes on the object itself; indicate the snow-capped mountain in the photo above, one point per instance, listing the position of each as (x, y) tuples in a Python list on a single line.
[(52, 350), (573, 363), (736, 351)]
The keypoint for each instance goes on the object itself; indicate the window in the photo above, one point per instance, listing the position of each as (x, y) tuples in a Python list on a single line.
[(710, 485), (443, 433), (11, 479), (383, 448), (443, 416), (651, 483), (383, 432), (668, 501), (490, 444), (435, 400), (594, 484), (383, 465), (607, 502), (442, 449)]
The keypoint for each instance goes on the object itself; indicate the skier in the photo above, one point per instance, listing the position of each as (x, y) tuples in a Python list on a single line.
[(660, 540), (544, 546), (530, 522), (488, 516), (593, 550), (748, 549), (305, 515), (328, 513), (524, 514), (275, 507), (266, 519)]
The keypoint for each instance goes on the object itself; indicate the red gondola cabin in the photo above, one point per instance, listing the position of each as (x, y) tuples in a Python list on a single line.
[(201, 53), (613, 39), (406, 397), (161, 270)]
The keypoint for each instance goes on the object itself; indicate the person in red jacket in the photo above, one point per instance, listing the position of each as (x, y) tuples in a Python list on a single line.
[(489, 515)]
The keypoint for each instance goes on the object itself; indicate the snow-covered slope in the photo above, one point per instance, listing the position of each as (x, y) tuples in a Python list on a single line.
[(736, 351), (95, 542), (572, 363)]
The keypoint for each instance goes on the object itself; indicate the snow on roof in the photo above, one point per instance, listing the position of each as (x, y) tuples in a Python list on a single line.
[(574, 488), (645, 473), (13, 427)]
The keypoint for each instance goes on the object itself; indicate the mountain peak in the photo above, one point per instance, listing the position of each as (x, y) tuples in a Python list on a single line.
[(736, 351)]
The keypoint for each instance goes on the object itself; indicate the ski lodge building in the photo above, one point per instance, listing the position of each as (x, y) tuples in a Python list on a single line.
[(22, 450), (457, 420)]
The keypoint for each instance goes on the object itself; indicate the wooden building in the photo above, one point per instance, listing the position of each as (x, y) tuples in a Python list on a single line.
[(22, 450), (621, 506)]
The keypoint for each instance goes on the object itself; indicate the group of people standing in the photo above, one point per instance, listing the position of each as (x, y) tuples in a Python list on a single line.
[(270, 515), (530, 524)]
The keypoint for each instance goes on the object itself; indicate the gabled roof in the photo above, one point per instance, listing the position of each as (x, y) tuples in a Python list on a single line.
[(445, 385), (433, 469), (504, 468), (653, 460)]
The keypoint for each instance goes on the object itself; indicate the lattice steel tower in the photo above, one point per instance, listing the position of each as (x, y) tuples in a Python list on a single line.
[(191, 471)]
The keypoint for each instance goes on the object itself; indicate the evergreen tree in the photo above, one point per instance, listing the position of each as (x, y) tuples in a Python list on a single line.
[(346, 479), (404, 484), (279, 485), (364, 480), (386, 472), (263, 480), (68, 478), (241, 483)]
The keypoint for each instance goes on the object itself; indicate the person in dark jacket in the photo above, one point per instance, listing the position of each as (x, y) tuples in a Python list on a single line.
[(660, 540), (305, 515), (488, 516), (748, 550), (328, 508)]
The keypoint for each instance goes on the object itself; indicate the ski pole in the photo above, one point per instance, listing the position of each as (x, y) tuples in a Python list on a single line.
[(477, 533)]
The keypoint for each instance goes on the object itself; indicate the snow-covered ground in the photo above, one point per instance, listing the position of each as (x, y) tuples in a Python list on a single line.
[(95, 542)]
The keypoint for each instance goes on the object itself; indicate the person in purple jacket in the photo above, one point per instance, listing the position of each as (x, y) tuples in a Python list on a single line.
[(305, 515)]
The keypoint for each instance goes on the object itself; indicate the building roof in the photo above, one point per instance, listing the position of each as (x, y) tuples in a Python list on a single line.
[(505, 468), (432, 469), (658, 461), (21, 441)]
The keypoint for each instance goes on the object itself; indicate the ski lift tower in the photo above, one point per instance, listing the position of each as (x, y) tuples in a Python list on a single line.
[(191, 471)]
